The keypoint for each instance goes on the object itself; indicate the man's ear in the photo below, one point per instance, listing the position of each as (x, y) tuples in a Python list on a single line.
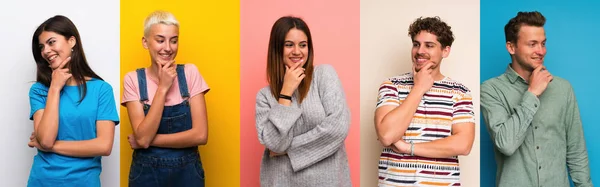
[(446, 51), (510, 47)]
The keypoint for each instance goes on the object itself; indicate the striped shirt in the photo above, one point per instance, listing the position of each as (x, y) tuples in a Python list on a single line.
[(448, 102)]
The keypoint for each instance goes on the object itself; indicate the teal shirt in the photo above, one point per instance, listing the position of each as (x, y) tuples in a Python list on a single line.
[(77, 121), (535, 139)]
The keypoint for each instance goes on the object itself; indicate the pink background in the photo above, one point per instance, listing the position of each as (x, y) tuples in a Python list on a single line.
[(335, 28)]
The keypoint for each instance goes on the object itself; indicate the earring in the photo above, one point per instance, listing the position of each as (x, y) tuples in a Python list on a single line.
[(71, 49)]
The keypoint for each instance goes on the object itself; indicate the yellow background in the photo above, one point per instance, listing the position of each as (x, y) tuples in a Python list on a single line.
[(209, 38)]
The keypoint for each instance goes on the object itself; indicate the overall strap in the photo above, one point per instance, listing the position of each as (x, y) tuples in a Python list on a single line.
[(183, 88), (141, 74)]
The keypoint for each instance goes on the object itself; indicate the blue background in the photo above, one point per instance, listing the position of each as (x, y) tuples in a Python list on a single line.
[(573, 49)]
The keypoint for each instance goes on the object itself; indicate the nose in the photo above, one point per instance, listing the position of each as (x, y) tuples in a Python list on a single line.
[(45, 50), (296, 50), (168, 48), (540, 50), (421, 50)]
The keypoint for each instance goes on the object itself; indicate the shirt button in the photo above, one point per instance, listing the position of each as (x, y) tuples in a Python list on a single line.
[(535, 105), (540, 167), (538, 147), (535, 127)]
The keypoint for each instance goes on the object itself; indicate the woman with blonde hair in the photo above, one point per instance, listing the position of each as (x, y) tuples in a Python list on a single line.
[(167, 111)]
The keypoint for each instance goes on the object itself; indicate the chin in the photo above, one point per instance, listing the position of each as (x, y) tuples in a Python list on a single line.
[(536, 65)]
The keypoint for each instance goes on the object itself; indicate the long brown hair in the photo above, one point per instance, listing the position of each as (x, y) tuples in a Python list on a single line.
[(275, 65), (78, 65)]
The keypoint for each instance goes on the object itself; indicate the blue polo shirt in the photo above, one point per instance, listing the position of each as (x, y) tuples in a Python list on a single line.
[(77, 121)]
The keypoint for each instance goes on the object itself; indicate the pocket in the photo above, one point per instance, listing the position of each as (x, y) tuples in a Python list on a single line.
[(135, 171), (178, 123), (175, 117), (199, 170)]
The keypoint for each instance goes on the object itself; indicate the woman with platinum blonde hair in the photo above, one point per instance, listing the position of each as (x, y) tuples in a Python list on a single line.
[(167, 111)]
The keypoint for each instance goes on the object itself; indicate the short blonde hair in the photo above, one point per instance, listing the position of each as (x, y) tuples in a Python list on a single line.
[(159, 16)]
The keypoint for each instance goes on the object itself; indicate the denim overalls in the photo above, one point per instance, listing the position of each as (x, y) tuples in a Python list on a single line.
[(159, 167)]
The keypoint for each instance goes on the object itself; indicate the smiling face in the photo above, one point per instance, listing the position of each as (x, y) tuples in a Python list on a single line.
[(530, 48), (427, 49), (55, 48), (295, 48), (162, 43)]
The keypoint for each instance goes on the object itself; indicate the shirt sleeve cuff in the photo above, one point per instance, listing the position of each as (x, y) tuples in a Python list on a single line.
[(530, 102)]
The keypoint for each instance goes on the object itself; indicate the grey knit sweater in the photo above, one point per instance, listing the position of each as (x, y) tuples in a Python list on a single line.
[(312, 134)]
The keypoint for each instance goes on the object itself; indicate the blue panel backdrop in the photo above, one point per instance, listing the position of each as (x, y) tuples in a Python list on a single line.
[(573, 49)]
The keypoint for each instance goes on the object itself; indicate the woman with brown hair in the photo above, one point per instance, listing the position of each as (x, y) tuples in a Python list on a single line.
[(302, 117), (73, 110)]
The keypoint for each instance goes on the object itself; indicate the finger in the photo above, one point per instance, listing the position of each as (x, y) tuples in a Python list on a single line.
[(295, 66), (63, 63), (165, 66), (160, 65), (298, 70), (31, 144), (170, 63), (539, 68), (429, 71), (169, 69), (414, 69), (62, 70), (302, 76), (428, 66)]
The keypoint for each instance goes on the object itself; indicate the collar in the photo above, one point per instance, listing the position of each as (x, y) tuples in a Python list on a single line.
[(513, 76)]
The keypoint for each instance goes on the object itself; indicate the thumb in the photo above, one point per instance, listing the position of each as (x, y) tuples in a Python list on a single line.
[(539, 68), (414, 70)]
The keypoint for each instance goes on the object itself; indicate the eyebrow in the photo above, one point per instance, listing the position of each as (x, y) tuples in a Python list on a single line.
[(536, 41), (161, 36), (426, 42), (293, 41), (48, 40)]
